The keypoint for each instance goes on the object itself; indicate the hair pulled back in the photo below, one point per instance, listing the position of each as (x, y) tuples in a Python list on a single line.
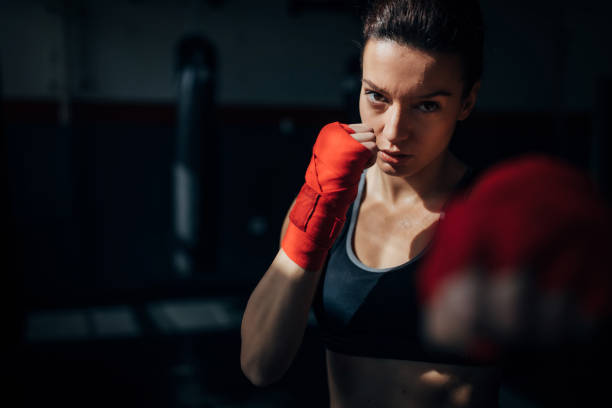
[(445, 26)]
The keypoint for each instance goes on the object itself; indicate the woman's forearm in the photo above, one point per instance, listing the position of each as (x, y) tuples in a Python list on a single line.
[(275, 319)]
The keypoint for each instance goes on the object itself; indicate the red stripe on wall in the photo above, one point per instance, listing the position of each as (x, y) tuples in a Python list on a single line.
[(47, 113)]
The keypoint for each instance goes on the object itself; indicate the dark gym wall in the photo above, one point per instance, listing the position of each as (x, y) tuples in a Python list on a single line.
[(88, 121), (273, 54), (89, 97)]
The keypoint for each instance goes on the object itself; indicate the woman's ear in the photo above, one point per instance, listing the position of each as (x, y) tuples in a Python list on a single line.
[(469, 101)]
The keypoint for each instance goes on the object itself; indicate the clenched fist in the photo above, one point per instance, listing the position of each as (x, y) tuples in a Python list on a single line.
[(522, 263)]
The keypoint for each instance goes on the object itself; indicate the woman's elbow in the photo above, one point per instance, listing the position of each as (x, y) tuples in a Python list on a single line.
[(258, 379), (257, 373)]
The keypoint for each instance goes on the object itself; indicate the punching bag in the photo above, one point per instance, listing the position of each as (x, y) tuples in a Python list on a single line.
[(195, 165)]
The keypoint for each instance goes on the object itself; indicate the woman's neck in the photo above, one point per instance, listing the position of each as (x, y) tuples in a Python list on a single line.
[(430, 186)]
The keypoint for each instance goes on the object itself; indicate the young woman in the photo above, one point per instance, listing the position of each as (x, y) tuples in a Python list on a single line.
[(376, 191)]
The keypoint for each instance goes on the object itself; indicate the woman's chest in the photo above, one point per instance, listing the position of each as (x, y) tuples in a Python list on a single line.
[(385, 238)]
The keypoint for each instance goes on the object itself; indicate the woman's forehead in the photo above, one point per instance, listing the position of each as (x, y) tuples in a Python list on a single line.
[(405, 70)]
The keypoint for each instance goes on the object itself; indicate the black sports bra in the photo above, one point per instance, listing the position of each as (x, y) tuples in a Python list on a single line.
[(371, 312)]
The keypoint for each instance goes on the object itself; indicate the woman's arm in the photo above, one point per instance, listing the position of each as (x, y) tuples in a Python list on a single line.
[(275, 318), (276, 315), (285, 224)]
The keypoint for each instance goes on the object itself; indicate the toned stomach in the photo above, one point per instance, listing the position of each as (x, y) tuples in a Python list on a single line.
[(386, 383)]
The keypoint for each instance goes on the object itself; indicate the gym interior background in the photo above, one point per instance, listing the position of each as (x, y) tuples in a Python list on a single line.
[(151, 149)]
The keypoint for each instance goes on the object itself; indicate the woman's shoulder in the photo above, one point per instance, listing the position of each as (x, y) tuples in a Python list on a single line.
[(468, 179)]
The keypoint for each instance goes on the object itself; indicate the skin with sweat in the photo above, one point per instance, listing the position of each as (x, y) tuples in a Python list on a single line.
[(410, 102)]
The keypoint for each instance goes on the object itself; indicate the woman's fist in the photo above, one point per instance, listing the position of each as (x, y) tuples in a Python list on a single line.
[(522, 262), (339, 156), (365, 135)]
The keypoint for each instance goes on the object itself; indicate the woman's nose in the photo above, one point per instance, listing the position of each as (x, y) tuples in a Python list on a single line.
[(396, 125)]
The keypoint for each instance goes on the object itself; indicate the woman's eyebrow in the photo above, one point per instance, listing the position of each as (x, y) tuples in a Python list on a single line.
[(440, 92), (374, 87)]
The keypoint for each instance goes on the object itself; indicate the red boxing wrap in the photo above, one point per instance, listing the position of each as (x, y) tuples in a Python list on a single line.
[(536, 213), (534, 223), (331, 185)]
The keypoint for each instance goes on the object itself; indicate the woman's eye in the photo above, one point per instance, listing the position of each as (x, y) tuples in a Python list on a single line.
[(428, 107), (375, 96)]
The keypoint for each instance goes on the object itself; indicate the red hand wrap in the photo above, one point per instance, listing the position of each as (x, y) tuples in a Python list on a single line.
[(536, 218), (331, 185), (534, 213)]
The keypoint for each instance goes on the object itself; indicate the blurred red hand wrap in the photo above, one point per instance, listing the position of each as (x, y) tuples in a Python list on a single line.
[(534, 217), (331, 185)]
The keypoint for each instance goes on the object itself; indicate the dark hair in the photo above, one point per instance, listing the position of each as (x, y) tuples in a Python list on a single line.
[(447, 26)]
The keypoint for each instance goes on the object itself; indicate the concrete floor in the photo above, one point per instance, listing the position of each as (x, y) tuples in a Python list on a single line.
[(172, 353)]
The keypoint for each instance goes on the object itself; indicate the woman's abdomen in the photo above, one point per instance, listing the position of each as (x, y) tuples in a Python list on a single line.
[(387, 383)]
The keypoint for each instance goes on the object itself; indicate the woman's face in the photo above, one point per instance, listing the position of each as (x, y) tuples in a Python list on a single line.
[(412, 99)]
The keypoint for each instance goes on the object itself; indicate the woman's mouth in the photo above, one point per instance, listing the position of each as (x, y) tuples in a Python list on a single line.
[(392, 158)]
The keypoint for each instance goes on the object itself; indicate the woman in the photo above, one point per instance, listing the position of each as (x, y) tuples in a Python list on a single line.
[(421, 62)]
